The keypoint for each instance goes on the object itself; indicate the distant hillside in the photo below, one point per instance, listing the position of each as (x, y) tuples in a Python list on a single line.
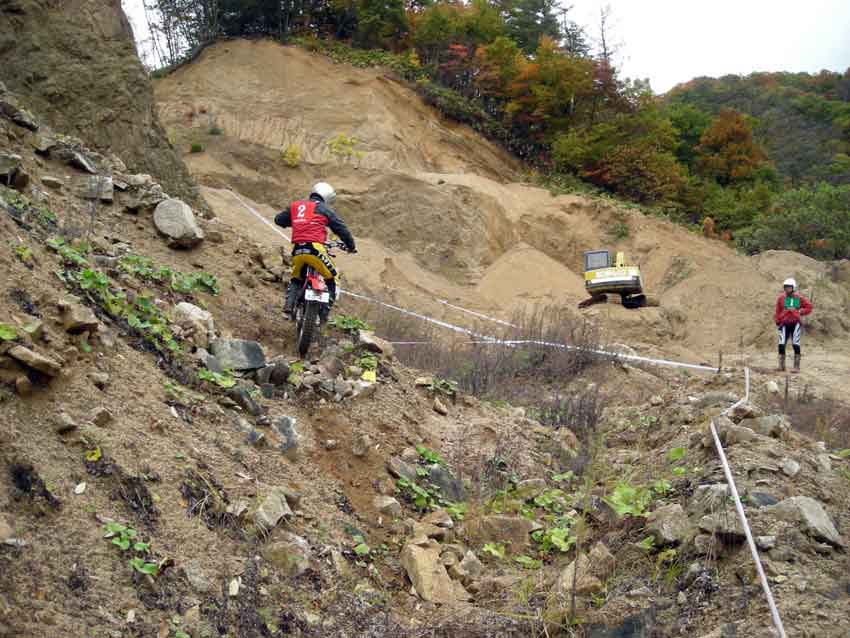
[(802, 120)]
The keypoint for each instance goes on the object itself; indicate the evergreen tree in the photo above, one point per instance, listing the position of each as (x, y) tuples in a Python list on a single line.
[(527, 21), (380, 23)]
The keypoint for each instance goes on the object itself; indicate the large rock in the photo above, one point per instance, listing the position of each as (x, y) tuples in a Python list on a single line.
[(774, 425), (592, 571), (77, 318), (96, 187), (668, 525), (285, 427), (426, 571), (513, 531), (375, 344), (400, 469), (6, 530), (812, 517), (708, 499), (746, 411), (196, 321), (74, 156), (10, 108), (388, 506), (199, 581), (36, 361), (175, 219), (273, 508), (291, 554), (241, 395), (640, 625), (279, 374), (724, 525), (468, 569), (450, 486), (12, 172), (238, 354)]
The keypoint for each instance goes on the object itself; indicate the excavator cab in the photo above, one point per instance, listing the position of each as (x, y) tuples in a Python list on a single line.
[(604, 275)]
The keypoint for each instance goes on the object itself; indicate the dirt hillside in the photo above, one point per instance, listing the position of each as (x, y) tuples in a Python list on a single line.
[(169, 468), (440, 212)]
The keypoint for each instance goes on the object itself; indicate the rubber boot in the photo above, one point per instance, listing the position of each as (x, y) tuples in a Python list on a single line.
[(291, 297), (325, 310), (781, 367), (796, 368)]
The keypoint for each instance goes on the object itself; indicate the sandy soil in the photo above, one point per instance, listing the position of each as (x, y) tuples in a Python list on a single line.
[(439, 212)]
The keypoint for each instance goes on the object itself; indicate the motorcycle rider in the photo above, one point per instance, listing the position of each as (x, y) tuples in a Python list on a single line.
[(790, 307), (310, 220)]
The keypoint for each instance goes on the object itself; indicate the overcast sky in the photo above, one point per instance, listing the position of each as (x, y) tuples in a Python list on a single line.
[(673, 41)]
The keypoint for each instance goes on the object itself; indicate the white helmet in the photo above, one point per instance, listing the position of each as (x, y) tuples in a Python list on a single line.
[(325, 191), (790, 282)]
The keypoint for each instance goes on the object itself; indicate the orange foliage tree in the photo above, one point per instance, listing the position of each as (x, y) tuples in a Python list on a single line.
[(727, 151)]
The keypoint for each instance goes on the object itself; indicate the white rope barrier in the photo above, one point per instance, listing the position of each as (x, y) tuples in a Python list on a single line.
[(727, 471)]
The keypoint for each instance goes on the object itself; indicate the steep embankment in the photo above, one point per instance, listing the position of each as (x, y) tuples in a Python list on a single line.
[(443, 215), (75, 64)]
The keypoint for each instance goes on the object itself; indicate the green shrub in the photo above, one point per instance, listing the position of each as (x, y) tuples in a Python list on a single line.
[(811, 220), (628, 499), (342, 147), (291, 155), (196, 148)]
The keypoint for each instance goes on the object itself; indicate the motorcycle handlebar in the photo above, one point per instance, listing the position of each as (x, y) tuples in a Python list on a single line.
[(338, 244)]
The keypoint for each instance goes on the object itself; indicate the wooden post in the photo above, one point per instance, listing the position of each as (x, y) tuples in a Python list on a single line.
[(786, 394)]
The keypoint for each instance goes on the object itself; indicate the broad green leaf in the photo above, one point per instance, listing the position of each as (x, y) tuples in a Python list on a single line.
[(7, 332), (676, 454)]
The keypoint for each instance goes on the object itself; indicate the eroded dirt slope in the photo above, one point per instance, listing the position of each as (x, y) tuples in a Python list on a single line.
[(441, 212)]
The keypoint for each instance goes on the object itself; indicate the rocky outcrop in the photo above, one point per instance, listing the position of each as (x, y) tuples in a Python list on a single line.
[(513, 531), (421, 561), (75, 65), (811, 516)]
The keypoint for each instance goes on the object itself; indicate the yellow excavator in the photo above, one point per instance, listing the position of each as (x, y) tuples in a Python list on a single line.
[(605, 276)]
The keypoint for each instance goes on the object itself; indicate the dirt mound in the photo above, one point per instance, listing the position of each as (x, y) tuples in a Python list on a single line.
[(75, 64)]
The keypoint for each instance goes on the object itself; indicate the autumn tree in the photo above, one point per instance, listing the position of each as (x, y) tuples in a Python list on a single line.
[(551, 92), (630, 154), (727, 151), (498, 66)]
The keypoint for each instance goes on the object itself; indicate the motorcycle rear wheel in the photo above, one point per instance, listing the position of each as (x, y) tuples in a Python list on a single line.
[(306, 324)]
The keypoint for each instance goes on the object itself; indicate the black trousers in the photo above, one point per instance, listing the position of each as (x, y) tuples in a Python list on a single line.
[(790, 333)]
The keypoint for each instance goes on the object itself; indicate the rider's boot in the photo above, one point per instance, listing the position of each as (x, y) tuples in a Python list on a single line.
[(325, 310), (796, 368), (781, 367), (291, 297)]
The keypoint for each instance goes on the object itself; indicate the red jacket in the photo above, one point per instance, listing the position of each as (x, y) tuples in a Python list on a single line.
[(789, 316), (310, 220)]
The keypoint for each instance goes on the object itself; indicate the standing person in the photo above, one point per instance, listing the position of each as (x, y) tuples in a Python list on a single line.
[(790, 307), (310, 220)]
